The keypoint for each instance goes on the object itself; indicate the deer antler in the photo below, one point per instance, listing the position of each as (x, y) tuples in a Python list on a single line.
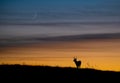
[(75, 57)]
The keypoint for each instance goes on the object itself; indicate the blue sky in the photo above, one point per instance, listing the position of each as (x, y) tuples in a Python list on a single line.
[(58, 17), (52, 10)]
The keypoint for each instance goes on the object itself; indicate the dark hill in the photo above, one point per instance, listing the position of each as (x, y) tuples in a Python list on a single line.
[(42, 74)]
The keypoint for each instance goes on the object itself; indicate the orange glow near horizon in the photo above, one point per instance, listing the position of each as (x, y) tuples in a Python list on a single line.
[(99, 54)]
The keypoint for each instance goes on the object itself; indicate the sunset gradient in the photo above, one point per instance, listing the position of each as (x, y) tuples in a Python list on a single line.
[(53, 32), (99, 54)]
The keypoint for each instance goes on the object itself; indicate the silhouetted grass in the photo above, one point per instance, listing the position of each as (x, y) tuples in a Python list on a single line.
[(42, 74)]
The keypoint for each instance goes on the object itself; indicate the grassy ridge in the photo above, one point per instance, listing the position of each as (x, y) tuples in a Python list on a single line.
[(22, 73)]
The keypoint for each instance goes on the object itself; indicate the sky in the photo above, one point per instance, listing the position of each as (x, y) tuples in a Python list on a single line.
[(60, 22), (58, 17)]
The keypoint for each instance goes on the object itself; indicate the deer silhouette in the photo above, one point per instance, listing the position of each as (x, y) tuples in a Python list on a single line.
[(77, 63)]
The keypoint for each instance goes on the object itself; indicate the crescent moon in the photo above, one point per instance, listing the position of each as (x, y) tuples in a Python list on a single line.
[(35, 15)]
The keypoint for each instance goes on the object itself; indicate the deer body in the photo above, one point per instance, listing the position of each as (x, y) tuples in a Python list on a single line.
[(77, 63)]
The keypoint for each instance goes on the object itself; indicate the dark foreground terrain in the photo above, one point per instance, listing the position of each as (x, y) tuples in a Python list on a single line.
[(42, 74)]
